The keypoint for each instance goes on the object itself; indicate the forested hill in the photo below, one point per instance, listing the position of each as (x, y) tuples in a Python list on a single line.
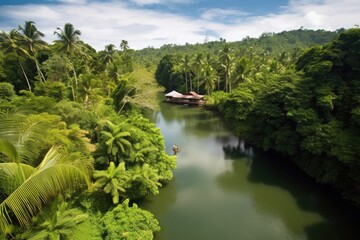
[(224, 65), (267, 43)]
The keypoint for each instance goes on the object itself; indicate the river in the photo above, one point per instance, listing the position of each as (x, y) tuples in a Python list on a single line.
[(225, 190)]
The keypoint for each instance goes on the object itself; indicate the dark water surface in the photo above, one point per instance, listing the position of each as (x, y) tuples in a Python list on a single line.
[(225, 190)]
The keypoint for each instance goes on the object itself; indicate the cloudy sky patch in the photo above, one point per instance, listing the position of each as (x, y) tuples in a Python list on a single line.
[(154, 23)]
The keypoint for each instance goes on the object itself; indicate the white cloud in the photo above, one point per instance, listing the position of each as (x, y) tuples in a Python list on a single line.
[(162, 2), (327, 15), (146, 2), (73, 1), (102, 23), (218, 13)]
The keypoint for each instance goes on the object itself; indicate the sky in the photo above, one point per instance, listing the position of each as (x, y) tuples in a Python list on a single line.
[(153, 23)]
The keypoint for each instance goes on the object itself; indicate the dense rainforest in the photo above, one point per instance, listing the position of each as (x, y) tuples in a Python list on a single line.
[(76, 153), (300, 102)]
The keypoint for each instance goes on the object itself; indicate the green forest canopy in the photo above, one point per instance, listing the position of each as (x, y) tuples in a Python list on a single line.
[(71, 113)]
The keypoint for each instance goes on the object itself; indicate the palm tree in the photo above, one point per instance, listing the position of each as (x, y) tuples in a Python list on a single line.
[(56, 223), (198, 67), (124, 45), (142, 152), (12, 43), (28, 187), (114, 180), (107, 56), (32, 187), (33, 42), (185, 67), (68, 39), (144, 179), (242, 71), (115, 139), (226, 59), (210, 77), (274, 66), (68, 43), (90, 90)]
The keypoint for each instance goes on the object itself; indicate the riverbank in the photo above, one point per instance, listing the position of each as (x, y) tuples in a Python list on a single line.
[(224, 188)]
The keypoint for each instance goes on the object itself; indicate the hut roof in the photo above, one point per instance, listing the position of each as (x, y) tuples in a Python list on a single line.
[(173, 94), (196, 95)]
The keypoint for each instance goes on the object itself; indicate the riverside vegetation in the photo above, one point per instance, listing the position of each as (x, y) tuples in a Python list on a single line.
[(76, 154), (304, 105)]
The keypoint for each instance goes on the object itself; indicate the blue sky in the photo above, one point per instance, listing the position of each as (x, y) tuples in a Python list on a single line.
[(153, 23)]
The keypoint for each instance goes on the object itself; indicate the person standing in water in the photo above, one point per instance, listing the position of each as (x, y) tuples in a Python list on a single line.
[(175, 149)]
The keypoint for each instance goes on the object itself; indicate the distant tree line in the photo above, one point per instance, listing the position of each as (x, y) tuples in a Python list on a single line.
[(220, 65)]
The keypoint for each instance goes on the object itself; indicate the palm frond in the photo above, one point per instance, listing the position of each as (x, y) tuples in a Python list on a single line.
[(51, 178), (26, 135), (9, 150), (12, 175)]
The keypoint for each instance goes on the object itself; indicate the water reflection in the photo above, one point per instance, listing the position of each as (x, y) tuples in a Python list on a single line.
[(225, 189), (313, 211)]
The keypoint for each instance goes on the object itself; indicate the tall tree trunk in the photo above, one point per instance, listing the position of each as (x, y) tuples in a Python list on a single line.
[(23, 71), (72, 89), (75, 76), (190, 82), (226, 83), (76, 81), (229, 86), (198, 85), (42, 77)]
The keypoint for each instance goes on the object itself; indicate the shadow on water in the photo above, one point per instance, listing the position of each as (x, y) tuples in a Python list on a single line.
[(339, 220)]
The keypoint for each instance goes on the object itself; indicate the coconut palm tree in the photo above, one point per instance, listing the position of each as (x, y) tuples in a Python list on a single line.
[(198, 67), (68, 39), (11, 42), (124, 45), (90, 90), (68, 43), (32, 187), (185, 67), (28, 186), (32, 42), (242, 71), (209, 78), (107, 56), (226, 58), (113, 180)]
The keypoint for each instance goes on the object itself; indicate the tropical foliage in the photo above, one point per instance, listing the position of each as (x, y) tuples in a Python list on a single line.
[(125, 222), (58, 222), (302, 103), (76, 152), (72, 129), (308, 113)]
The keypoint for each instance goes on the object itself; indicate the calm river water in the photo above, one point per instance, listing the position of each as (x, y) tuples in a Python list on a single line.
[(225, 190)]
